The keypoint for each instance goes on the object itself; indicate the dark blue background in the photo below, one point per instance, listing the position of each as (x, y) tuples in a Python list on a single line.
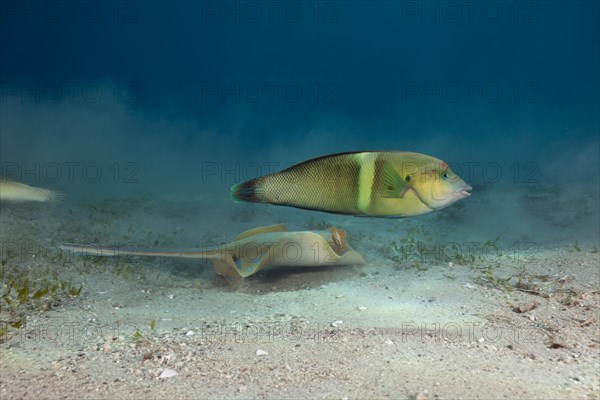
[(360, 55)]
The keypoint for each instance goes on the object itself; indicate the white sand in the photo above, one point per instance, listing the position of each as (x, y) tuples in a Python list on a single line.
[(391, 329)]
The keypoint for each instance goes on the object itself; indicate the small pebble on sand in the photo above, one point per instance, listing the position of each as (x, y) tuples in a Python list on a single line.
[(168, 373)]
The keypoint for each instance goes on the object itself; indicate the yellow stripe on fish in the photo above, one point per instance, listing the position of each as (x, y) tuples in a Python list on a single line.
[(365, 181), (378, 184), (19, 192)]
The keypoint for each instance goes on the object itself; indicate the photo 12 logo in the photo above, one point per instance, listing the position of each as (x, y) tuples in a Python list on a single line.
[(72, 332), (70, 172), (269, 12), (469, 12), (266, 332), (469, 332), (69, 92), (461, 253), (518, 172), (223, 92), (70, 12), (436, 92)]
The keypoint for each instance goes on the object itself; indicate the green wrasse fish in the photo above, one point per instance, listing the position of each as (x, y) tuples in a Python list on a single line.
[(376, 184), (19, 192)]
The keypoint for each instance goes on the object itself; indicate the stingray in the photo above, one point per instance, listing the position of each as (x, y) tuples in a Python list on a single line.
[(254, 250)]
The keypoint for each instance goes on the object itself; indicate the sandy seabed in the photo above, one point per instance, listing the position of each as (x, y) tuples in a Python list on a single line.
[(448, 306)]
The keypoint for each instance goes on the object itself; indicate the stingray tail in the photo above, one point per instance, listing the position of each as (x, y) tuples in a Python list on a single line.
[(92, 250)]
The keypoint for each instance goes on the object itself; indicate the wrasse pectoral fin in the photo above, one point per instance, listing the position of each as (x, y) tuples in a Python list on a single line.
[(392, 184)]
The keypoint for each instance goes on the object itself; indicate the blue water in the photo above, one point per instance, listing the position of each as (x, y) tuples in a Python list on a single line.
[(110, 99), (145, 113)]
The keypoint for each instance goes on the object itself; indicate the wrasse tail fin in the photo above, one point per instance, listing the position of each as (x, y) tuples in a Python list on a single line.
[(249, 191)]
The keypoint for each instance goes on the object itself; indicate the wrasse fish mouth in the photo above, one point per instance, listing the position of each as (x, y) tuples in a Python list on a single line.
[(465, 191)]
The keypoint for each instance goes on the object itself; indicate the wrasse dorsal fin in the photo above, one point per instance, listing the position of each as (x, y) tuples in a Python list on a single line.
[(261, 229), (392, 185)]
